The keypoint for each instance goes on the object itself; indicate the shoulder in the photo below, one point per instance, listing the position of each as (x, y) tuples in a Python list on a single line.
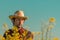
[(29, 34), (27, 31)]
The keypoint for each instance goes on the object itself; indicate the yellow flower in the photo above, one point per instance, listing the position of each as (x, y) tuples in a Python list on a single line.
[(25, 32), (29, 38), (3, 38), (21, 38), (52, 19), (56, 38), (12, 38), (17, 34), (15, 28), (9, 36), (17, 39), (13, 34)]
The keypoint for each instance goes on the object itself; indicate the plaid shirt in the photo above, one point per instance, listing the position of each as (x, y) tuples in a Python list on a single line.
[(21, 34)]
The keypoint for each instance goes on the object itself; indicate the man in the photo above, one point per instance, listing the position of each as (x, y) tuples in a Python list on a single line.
[(18, 32)]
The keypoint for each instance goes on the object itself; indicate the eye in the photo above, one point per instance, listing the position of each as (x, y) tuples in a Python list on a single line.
[(16, 19)]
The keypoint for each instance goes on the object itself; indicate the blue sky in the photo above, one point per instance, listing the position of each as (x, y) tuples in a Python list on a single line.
[(36, 10)]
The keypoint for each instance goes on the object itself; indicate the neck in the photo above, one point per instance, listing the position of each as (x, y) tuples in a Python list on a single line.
[(20, 26)]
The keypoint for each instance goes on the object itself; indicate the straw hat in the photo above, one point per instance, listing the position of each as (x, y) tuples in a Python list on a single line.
[(18, 14)]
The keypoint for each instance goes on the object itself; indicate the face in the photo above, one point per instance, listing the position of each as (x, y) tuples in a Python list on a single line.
[(19, 22)]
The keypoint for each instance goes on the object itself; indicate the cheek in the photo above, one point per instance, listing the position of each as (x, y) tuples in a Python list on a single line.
[(22, 21)]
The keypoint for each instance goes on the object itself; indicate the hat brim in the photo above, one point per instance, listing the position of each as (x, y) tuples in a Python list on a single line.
[(12, 16)]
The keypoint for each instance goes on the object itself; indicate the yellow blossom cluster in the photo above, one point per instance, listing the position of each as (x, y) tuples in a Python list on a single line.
[(15, 35)]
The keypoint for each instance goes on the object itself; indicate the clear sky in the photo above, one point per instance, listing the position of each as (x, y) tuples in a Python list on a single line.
[(36, 10)]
